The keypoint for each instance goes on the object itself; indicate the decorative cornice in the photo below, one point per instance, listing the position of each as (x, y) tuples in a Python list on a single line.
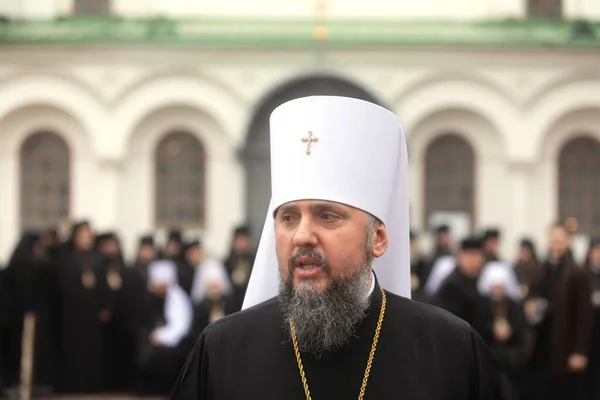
[(299, 33)]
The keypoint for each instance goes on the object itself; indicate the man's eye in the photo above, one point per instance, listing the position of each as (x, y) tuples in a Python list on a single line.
[(329, 217), (287, 218)]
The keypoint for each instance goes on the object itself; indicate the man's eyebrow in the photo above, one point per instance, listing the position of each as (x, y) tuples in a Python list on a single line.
[(286, 208), (325, 206)]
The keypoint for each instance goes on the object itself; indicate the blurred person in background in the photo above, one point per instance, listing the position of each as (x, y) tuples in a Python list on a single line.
[(506, 330), (593, 265), (167, 322), (31, 281), (51, 242), (443, 243), (21, 275), (174, 250), (212, 294), (131, 308), (419, 269), (117, 334), (82, 352), (146, 253), (206, 270), (559, 305), (458, 293), (527, 265), (193, 256), (491, 244), (239, 263), (442, 263)]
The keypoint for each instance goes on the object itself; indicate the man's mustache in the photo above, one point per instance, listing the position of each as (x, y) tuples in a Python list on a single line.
[(307, 253)]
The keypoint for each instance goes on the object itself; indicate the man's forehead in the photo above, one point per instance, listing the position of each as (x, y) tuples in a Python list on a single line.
[(315, 204)]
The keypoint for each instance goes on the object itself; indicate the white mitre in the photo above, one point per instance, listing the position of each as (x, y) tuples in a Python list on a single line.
[(357, 157), (499, 273), (162, 272)]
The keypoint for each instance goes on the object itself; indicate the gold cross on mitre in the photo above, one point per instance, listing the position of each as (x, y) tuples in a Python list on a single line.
[(309, 140)]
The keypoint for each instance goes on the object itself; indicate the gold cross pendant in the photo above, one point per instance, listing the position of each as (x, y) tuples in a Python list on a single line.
[(309, 140)]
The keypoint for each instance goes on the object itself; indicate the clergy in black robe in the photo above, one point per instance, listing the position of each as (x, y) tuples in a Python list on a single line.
[(175, 251), (21, 275), (82, 356), (459, 294), (443, 243), (239, 262), (117, 336), (527, 265), (193, 255), (491, 244), (146, 253), (321, 326), (167, 322), (419, 270), (593, 265), (31, 281), (130, 309), (212, 295), (506, 330)]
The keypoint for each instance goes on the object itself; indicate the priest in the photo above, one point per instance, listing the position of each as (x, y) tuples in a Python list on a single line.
[(331, 322), (167, 323)]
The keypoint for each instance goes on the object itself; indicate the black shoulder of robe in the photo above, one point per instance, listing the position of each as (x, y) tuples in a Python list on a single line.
[(423, 353)]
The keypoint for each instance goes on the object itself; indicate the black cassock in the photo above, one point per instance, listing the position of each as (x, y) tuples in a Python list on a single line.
[(423, 353), (512, 354), (82, 351), (459, 295)]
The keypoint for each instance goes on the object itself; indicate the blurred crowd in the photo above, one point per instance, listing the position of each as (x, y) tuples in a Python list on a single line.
[(538, 313), (102, 325)]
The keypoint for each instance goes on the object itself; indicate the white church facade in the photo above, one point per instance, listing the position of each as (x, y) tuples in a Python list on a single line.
[(143, 124)]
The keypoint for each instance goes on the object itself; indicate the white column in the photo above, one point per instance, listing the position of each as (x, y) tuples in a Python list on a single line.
[(225, 204), (101, 195), (519, 180), (9, 211), (520, 183)]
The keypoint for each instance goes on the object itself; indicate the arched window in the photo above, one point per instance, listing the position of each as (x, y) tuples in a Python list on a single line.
[(45, 181), (91, 6), (544, 9), (180, 181), (579, 184), (449, 177)]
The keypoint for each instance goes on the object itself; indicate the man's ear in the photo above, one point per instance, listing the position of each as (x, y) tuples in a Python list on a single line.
[(380, 240)]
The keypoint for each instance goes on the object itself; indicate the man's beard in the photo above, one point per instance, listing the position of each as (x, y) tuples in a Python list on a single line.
[(325, 320)]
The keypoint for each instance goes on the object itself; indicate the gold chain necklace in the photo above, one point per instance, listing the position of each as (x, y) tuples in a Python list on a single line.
[(369, 362)]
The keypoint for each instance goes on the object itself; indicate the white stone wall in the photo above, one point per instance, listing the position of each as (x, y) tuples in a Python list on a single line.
[(336, 8), (581, 8), (465, 9), (111, 106)]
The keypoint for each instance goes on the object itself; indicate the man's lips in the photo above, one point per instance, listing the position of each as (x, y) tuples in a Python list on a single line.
[(303, 261), (306, 267)]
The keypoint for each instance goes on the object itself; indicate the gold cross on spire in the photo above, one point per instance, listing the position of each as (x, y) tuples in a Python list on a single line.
[(309, 140)]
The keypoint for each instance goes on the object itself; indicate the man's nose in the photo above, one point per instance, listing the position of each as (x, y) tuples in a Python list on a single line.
[(305, 235)]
